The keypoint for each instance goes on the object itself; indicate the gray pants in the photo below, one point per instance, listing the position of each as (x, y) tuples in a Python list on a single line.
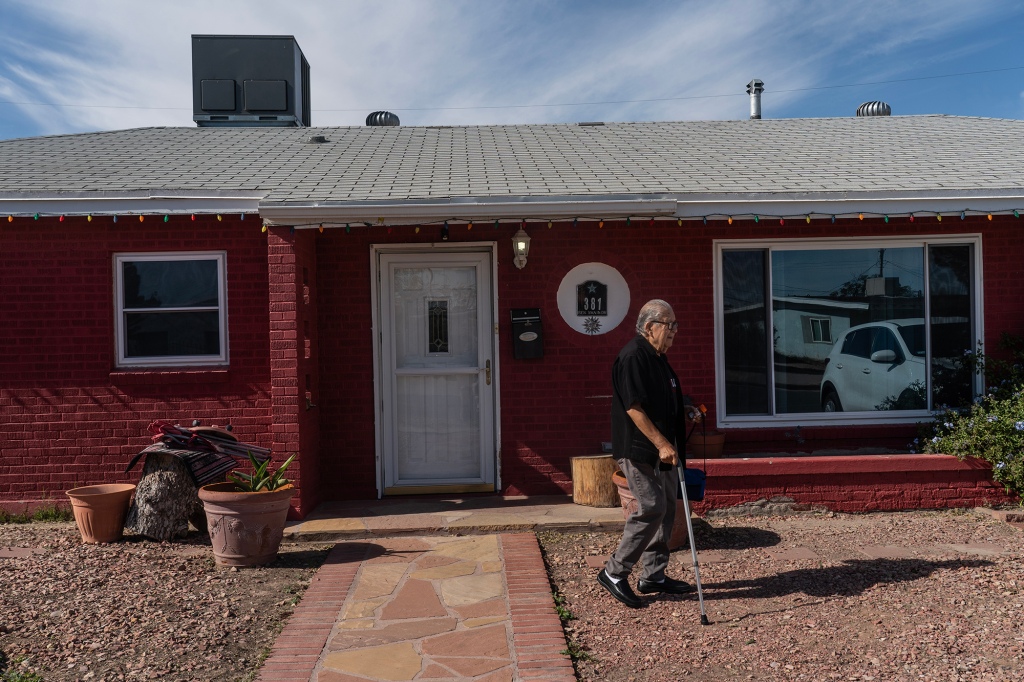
[(649, 528)]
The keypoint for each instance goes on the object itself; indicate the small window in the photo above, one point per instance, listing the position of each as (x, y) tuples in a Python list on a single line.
[(821, 330), (170, 309)]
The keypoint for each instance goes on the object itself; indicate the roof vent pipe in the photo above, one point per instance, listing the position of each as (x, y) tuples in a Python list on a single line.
[(382, 118), (874, 109), (754, 89)]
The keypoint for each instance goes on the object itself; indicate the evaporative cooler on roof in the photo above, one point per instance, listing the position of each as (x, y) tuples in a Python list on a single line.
[(249, 81)]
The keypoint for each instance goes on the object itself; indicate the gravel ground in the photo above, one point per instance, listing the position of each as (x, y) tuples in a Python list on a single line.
[(139, 610), (928, 611)]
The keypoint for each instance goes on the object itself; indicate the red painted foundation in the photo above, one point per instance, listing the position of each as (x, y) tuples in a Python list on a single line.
[(853, 483)]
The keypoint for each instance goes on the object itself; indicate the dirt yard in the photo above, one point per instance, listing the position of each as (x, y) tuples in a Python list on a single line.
[(139, 610), (899, 596)]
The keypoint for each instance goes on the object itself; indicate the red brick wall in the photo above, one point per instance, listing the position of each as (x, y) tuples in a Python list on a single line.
[(556, 407), (294, 353), (67, 416)]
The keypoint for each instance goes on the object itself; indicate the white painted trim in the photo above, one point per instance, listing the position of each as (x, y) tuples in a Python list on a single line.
[(848, 206), (168, 204), (823, 419), (412, 211)]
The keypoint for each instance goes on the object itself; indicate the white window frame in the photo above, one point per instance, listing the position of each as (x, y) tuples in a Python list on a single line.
[(823, 322), (726, 421), (220, 257)]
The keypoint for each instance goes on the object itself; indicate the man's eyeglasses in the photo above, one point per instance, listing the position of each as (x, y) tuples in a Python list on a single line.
[(673, 326)]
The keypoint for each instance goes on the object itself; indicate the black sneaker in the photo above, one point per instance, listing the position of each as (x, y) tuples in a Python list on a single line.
[(667, 586), (620, 590)]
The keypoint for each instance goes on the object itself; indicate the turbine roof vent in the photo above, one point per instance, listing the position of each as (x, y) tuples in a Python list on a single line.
[(874, 109)]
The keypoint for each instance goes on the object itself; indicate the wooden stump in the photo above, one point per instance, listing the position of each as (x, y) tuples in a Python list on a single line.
[(166, 499), (592, 481)]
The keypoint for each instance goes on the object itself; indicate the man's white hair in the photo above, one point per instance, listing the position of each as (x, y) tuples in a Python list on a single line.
[(651, 311)]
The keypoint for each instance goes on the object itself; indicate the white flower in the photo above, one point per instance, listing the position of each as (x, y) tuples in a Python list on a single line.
[(949, 425), (935, 439), (1019, 425), (991, 418), (1000, 465)]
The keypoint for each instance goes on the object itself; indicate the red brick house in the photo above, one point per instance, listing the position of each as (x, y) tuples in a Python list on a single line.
[(348, 294)]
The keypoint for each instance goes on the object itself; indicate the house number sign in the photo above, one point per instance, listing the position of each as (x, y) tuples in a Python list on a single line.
[(593, 298)]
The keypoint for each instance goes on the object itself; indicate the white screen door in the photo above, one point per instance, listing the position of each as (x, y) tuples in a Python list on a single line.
[(437, 356)]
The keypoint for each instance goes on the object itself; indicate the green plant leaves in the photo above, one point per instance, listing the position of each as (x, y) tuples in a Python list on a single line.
[(261, 478)]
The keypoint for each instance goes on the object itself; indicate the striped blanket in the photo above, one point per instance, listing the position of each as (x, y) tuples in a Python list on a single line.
[(204, 467)]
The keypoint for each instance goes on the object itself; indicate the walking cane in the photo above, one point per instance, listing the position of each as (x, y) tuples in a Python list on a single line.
[(689, 524)]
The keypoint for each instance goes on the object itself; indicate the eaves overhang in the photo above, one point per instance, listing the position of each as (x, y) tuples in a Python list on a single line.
[(791, 205), (311, 214), (685, 206), (129, 203)]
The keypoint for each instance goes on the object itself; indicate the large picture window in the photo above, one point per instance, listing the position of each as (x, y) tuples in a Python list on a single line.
[(837, 330), (170, 309)]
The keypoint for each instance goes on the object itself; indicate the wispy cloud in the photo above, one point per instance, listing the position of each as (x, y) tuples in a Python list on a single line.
[(419, 57)]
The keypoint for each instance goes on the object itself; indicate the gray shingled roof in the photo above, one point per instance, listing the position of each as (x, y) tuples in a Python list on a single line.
[(881, 155)]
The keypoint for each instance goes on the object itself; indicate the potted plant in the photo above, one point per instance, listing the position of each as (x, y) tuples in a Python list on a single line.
[(246, 515)]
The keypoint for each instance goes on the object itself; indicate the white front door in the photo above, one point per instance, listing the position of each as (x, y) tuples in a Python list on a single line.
[(437, 372)]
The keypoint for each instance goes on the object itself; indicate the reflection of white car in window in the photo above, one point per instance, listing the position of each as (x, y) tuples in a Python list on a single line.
[(876, 366)]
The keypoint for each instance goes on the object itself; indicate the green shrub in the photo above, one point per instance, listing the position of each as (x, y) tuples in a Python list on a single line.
[(992, 426)]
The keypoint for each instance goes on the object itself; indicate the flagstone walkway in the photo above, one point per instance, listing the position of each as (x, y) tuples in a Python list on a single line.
[(414, 608)]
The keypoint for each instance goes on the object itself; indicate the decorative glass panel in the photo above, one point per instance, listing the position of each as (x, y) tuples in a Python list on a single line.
[(437, 322)]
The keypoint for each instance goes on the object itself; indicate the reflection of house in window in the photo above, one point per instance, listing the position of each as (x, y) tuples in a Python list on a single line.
[(821, 329)]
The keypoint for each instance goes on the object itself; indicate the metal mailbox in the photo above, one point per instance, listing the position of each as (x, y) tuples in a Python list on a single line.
[(527, 333)]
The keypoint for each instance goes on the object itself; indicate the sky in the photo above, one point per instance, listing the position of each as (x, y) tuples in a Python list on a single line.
[(68, 66)]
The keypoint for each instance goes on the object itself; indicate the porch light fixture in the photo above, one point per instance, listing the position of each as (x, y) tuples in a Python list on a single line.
[(521, 248)]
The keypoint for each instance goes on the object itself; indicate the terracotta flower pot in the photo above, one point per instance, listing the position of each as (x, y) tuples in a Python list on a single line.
[(710, 445), (245, 528), (630, 505), (100, 510)]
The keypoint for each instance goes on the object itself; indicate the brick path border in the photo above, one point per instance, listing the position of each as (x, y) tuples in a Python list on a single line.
[(297, 649), (537, 636)]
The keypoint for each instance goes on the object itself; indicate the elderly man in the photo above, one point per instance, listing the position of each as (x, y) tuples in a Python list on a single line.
[(646, 409)]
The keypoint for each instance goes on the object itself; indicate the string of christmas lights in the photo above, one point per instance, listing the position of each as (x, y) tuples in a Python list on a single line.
[(600, 220)]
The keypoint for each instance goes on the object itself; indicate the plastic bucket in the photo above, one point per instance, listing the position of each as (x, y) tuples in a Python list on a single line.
[(694, 479)]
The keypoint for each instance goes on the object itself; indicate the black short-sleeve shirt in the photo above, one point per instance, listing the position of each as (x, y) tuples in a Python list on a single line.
[(640, 375)]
